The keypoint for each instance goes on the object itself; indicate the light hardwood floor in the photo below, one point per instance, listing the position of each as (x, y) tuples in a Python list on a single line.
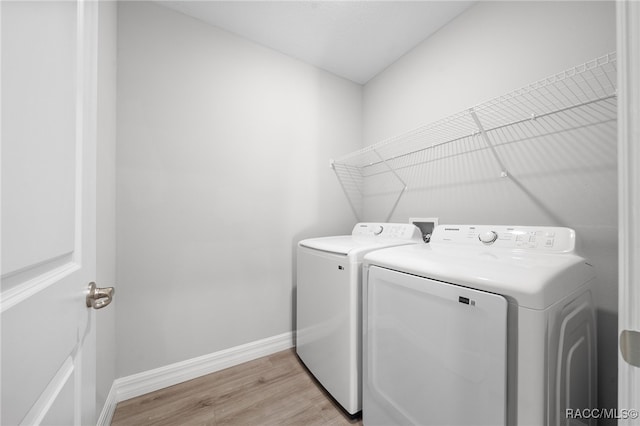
[(274, 390)]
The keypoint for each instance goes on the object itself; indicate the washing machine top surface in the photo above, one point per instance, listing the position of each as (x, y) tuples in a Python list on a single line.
[(365, 237), (531, 266)]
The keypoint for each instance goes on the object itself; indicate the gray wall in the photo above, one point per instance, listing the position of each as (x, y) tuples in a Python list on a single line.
[(106, 198), (222, 166), (563, 180)]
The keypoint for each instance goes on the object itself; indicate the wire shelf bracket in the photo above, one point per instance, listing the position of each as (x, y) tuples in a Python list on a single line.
[(487, 140), (402, 182), (349, 189)]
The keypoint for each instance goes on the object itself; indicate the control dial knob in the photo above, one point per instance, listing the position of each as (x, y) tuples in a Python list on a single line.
[(377, 230), (488, 237)]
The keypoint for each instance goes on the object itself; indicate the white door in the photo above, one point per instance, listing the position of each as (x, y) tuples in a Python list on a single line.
[(628, 28), (48, 212)]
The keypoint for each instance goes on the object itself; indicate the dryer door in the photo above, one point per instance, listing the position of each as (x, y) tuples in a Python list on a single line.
[(435, 352)]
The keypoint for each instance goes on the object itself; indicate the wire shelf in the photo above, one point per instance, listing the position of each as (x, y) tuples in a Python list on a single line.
[(582, 96)]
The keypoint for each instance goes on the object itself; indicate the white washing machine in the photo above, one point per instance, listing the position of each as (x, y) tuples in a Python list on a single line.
[(486, 325), (328, 308)]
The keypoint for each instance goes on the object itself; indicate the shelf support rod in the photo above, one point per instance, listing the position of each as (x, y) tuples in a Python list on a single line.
[(332, 164), (402, 191), (487, 140)]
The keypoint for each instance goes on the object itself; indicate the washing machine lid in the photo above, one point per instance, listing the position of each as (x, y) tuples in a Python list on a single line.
[(366, 237), (348, 245), (534, 274)]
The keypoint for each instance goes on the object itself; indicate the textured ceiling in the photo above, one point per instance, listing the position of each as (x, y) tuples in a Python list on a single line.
[(353, 39)]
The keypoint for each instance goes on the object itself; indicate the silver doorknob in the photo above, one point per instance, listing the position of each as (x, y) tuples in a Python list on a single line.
[(98, 298)]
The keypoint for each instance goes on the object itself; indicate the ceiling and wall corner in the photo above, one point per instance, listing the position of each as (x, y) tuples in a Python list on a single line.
[(352, 39)]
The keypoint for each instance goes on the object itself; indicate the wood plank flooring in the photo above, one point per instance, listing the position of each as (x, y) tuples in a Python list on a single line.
[(274, 390)]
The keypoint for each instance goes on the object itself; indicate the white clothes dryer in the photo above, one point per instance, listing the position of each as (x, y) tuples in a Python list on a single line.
[(486, 325), (328, 304)]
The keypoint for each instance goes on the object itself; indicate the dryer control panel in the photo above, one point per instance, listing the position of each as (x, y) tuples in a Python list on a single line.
[(395, 231), (542, 239)]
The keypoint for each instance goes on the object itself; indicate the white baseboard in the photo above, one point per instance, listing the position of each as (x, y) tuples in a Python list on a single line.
[(109, 408), (152, 380)]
